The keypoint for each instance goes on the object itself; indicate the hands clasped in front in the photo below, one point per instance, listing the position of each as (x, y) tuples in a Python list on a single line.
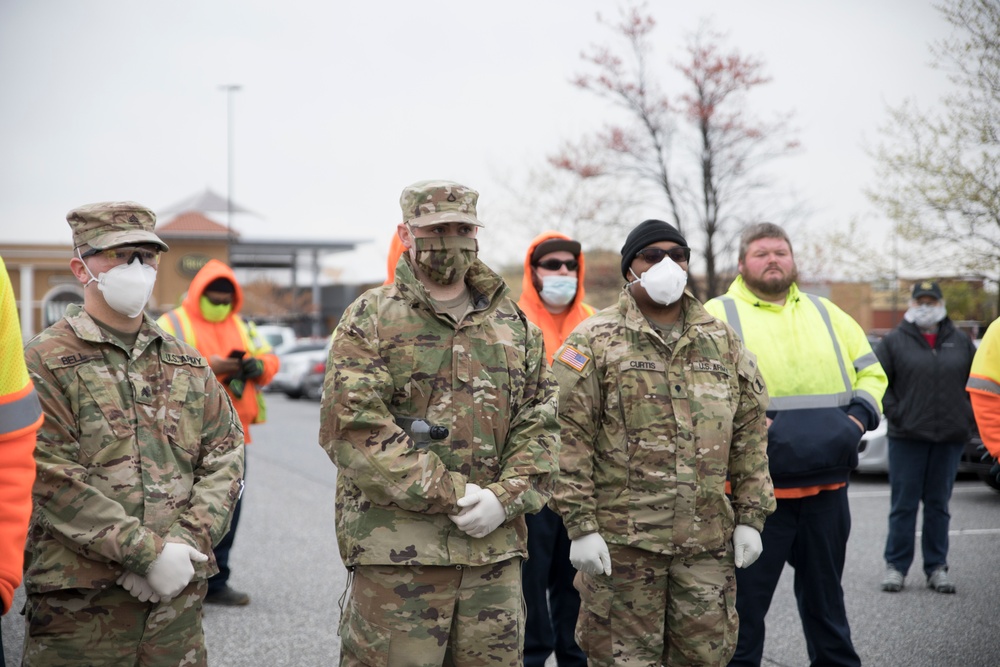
[(167, 576), (481, 512)]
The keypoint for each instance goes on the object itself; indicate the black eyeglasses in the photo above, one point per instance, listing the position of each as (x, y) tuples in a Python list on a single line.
[(556, 264), (655, 255)]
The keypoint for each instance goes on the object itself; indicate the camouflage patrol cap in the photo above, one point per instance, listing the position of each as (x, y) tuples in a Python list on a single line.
[(112, 223), (430, 202)]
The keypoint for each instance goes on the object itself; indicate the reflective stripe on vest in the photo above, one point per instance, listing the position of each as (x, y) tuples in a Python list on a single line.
[(182, 326), (183, 330), (835, 400), (982, 384), (20, 414)]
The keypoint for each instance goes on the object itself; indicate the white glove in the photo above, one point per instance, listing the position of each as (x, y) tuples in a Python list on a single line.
[(481, 512), (590, 554), (172, 570), (139, 587), (746, 545)]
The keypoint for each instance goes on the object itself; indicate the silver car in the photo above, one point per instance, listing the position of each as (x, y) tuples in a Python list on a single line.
[(299, 367), (873, 453)]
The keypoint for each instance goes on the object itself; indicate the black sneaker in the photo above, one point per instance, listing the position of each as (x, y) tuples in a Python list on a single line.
[(229, 597)]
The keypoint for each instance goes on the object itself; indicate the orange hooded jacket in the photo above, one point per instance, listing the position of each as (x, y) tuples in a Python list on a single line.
[(396, 250), (220, 338), (554, 327), (20, 419)]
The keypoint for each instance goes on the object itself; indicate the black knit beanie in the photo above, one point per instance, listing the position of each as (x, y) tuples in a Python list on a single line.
[(647, 232), (224, 285)]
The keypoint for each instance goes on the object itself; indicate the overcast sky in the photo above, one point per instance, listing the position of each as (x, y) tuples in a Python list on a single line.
[(345, 103)]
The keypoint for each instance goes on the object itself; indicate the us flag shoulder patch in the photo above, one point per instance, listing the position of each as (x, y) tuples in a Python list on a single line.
[(573, 358)]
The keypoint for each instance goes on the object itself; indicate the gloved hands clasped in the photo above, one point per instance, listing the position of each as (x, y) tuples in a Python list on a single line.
[(250, 368), (172, 570), (138, 586), (481, 512)]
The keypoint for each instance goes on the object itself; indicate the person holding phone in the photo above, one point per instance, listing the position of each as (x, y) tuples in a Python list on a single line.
[(209, 320)]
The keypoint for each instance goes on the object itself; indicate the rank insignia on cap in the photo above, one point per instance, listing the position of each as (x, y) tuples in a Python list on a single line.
[(573, 358)]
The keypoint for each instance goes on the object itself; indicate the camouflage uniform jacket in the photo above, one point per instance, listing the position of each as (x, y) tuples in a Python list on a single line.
[(138, 447), (485, 379), (652, 428)]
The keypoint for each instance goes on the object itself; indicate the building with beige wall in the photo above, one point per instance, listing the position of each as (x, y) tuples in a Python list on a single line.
[(44, 285)]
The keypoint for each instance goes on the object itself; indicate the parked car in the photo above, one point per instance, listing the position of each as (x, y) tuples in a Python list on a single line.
[(873, 455), (279, 337), (302, 370), (873, 450)]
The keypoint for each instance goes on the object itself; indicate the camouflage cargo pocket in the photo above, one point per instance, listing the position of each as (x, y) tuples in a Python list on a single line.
[(185, 414), (366, 642), (593, 627), (220, 528)]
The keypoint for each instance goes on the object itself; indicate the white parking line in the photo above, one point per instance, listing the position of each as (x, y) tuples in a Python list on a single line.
[(972, 531), (972, 487)]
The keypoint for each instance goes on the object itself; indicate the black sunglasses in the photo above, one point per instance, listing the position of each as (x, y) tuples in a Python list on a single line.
[(556, 264), (655, 255)]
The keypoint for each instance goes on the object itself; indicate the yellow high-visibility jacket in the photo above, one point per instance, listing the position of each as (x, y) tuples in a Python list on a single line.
[(984, 388), (20, 418), (819, 368)]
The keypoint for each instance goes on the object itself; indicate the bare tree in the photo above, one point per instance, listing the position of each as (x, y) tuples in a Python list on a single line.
[(709, 183), (939, 171)]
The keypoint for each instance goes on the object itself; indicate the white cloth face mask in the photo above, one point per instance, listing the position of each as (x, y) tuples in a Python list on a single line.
[(664, 282), (126, 287), (925, 316), (558, 290)]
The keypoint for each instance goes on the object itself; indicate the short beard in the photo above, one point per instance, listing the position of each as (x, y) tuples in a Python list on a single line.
[(773, 287)]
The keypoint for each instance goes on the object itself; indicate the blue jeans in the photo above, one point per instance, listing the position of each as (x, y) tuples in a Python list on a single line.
[(920, 471)]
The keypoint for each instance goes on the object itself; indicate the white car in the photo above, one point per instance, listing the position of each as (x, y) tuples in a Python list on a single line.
[(873, 454), (279, 337), (873, 450), (302, 370)]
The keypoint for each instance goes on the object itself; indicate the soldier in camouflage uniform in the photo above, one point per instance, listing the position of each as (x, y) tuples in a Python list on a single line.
[(659, 402), (139, 463), (429, 512)]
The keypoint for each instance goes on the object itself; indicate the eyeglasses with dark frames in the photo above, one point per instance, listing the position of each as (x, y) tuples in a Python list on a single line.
[(556, 264), (655, 255)]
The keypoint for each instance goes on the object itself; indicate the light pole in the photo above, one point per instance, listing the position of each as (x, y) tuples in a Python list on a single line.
[(230, 88)]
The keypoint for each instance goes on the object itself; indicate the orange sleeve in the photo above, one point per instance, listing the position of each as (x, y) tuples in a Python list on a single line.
[(271, 365), (17, 475), (986, 406)]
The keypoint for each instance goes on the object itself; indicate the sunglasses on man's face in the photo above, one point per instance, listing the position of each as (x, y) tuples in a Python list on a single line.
[(556, 264), (655, 255)]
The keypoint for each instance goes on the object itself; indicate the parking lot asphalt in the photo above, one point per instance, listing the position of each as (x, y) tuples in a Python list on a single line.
[(285, 556)]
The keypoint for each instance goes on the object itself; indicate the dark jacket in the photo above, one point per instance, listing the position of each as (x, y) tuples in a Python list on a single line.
[(926, 399)]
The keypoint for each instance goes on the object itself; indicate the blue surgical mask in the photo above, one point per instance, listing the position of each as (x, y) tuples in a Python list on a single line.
[(558, 290)]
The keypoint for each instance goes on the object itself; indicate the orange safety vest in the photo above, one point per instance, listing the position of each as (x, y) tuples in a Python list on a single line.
[(181, 327)]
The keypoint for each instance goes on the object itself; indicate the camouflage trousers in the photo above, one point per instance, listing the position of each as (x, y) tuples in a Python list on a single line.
[(110, 627), (428, 616), (659, 610)]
